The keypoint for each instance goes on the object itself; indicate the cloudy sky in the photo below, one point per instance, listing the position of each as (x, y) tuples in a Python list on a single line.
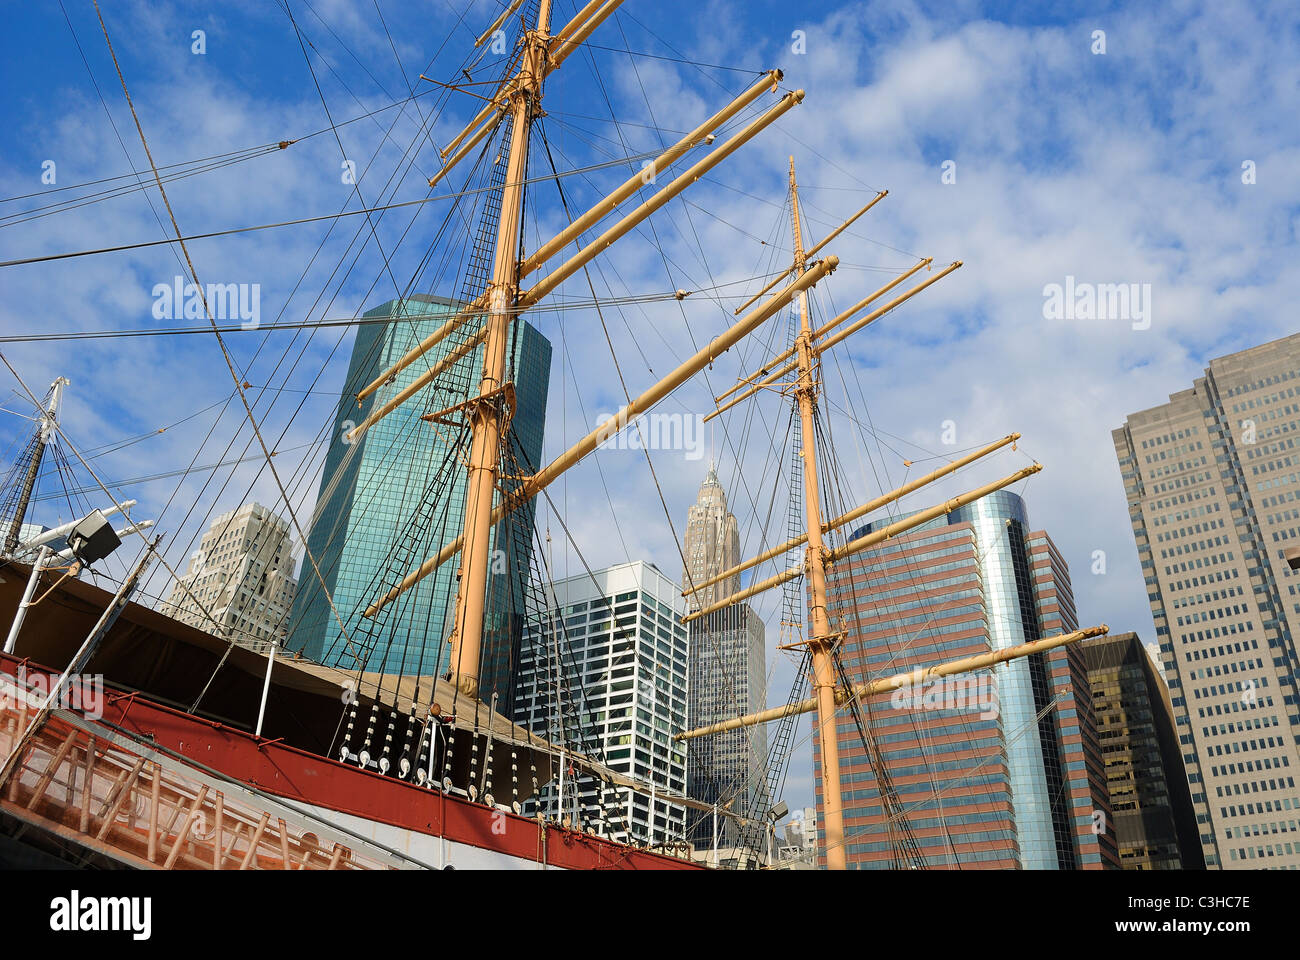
[(1084, 144)]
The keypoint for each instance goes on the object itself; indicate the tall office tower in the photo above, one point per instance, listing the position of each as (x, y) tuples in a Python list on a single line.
[(727, 673), (1154, 824), (397, 494), (997, 769), (240, 581), (1213, 485), (602, 671), (711, 543)]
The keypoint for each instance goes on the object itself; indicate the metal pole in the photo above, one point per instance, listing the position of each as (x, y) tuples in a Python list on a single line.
[(715, 835), (650, 820), (868, 507), (433, 746), (862, 543), (559, 806), (55, 532), (637, 181), (266, 689), (914, 677), (21, 615)]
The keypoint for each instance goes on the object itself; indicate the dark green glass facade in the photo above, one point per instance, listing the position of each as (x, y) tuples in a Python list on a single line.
[(397, 494)]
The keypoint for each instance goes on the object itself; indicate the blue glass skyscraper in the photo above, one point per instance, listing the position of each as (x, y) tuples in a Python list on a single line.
[(396, 494)]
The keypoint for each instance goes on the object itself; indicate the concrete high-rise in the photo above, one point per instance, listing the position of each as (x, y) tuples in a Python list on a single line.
[(995, 769), (1155, 826), (727, 672), (240, 582), (603, 671), (397, 494), (1213, 485)]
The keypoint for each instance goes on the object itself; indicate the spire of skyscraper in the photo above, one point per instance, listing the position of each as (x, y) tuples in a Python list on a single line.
[(711, 543)]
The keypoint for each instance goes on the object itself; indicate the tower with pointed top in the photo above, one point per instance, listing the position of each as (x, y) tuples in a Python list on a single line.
[(712, 543), (727, 675)]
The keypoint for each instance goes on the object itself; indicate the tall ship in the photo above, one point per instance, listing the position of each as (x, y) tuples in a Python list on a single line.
[(372, 725)]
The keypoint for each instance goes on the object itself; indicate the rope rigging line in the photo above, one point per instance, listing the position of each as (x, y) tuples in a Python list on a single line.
[(365, 211), (659, 246), (207, 309), (232, 395), (173, 571), (327, 426)]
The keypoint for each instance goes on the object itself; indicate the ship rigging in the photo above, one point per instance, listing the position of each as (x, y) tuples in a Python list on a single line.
[(434, 727)]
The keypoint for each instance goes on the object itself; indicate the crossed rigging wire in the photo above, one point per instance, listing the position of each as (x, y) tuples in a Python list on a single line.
[(178, 171)]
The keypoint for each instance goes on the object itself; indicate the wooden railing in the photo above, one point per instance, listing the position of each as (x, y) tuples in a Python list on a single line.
[(119, 798)]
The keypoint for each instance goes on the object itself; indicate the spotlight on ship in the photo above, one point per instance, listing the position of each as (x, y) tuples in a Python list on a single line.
[(93, 539)]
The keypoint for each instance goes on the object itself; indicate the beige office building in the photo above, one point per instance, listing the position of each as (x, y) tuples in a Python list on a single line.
[(1213, 485), (240, 583), (728, 677), (711, 544)]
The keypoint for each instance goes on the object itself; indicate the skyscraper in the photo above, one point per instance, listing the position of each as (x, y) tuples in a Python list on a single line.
[(1155, 826), (397, 494), (993, 769), (711, 543), (240, 581), (603, 671), (727, 671), (1213, 485)]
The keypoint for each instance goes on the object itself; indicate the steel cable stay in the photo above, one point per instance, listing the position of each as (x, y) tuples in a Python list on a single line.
[(627, 396), (326, 428), (232, 397), (659, 245), (250, 415)]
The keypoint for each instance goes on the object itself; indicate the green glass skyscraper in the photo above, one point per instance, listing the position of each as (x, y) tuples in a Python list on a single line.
[(396, 494)]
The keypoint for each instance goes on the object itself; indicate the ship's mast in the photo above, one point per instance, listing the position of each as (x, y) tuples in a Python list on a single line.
[(489, 414), (820, 641), (45, 428), (806, 353), (489, 410)]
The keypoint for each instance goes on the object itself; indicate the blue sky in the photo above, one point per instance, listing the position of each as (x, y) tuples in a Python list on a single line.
[(1117, 167)]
